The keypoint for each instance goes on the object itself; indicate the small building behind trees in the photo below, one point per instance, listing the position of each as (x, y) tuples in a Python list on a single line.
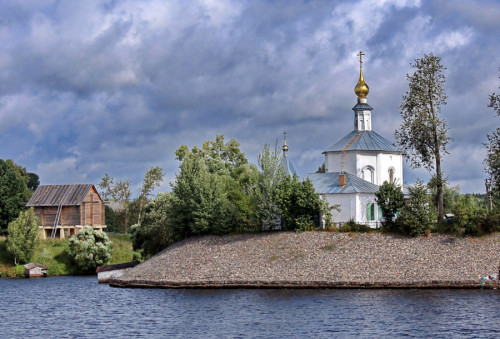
[(65, 209)]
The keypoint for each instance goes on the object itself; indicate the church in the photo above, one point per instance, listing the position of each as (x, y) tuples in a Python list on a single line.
[(357, 164)]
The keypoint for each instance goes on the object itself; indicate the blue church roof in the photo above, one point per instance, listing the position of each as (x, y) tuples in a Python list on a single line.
[(365, 141), (329, 183), (287, 166)]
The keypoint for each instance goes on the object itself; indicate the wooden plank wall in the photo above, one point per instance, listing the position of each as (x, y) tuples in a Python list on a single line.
[(94, 209)]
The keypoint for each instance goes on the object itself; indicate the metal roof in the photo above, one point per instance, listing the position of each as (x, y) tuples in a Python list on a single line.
[(53, 195), (329, 183), (365, 141), (287, 166)]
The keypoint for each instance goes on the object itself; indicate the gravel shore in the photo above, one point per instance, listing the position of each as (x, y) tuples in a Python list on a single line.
[(320, 259)]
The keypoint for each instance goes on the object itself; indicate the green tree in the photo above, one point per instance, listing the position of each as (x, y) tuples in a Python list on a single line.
[(155, 233), (271, 175), (492, 160), (423, 135), (450, 195), (299, 205), (416, 214), (23, 236), (31, 179), (390, 200), (90, 248), (152, 179), (110, 219), (13, 193), (118, 192), (468, 215)]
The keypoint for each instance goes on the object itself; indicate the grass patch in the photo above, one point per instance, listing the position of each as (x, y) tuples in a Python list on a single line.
[(54, 253), (122, 249)]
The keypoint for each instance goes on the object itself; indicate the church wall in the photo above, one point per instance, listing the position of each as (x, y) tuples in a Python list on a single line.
[(352, 206), (365, 159), (333, 162), (386, 161), (347, 206)]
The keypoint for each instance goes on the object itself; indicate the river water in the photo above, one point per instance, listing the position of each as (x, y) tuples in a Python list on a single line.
[(80, 307)]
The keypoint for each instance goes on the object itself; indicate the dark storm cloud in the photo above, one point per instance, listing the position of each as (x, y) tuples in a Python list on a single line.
[(117, 86)]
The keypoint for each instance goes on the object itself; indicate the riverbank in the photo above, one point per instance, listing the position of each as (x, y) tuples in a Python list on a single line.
[(54, 254), (319, 260)]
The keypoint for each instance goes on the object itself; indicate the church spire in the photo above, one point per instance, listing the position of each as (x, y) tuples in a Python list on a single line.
[(285, 147), (362, 111), (361, 88)]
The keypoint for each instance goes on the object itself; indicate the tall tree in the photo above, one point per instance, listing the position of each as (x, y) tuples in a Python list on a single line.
[(271, 175), (152, 179), (23, 236), (423, 135), (492, 160)]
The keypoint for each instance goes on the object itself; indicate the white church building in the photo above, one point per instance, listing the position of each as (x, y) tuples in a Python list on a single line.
[(357, 164)]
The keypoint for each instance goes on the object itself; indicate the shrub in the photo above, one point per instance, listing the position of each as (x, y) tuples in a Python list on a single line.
[(352, 226), (90, 248), (416, 215)]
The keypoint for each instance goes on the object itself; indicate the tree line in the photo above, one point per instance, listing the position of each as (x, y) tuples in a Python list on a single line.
[(217, 191)]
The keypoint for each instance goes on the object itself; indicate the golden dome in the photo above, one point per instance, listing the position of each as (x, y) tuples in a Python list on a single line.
[(361, 88), (285, 147)]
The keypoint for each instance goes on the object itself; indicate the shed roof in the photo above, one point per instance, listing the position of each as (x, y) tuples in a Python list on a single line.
[(328, 183), (365, 141), (33, 265), (54, 195)]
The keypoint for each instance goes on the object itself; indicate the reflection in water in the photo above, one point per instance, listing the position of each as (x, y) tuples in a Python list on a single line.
[(80, 307)]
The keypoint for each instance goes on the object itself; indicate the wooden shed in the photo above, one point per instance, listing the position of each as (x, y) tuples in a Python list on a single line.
[(35, 270), (65, 209)]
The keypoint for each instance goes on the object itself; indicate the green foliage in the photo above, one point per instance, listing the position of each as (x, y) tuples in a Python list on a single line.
[(23, 236), (271, 175), (450, 195), (155, 233), (13, 192), (468, 216), (119, 192), (298, 203), (210, 194), (390, 200), (423, 135), (90, 248), (110, 219), (492, 160), (152, 179), (416, 214)]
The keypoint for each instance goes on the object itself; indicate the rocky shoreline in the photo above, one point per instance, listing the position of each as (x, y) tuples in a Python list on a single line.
[(320, 260)]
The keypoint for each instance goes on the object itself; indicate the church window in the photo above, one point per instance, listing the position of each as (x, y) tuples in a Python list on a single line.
[(369, 174), (391, 174), (370, 211)]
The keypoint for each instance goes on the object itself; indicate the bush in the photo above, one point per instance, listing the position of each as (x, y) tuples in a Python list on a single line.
[(90, 248), (352, 226), (416, 216)]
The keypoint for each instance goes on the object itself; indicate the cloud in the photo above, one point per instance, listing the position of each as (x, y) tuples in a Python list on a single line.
[(117, 86)]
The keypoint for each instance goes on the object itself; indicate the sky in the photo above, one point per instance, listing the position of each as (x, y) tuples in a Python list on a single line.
[(95, 87)]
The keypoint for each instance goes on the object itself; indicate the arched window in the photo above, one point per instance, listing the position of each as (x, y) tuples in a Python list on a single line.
[(391, 174), (369, 174)]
